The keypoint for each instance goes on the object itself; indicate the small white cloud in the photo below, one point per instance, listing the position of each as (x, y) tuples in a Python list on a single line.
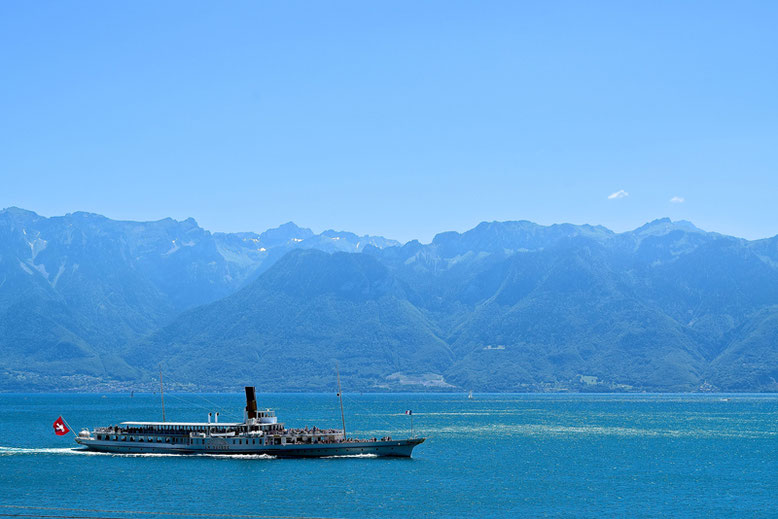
[(618, 194), (677, 200)]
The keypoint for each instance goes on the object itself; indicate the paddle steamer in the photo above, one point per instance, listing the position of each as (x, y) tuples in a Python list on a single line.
[(259, 433)]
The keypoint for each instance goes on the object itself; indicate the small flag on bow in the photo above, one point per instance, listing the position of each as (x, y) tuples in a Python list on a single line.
[(60, 428), (408, 412)]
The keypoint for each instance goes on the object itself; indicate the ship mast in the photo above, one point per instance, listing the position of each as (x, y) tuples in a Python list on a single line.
[(162, 393), (340, 397)]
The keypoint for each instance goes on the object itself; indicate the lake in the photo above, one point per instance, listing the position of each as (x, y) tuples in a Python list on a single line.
[(496, 455)]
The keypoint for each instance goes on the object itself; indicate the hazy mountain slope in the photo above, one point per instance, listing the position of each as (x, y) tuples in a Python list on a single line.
[(576, 310), (44, 345), (528, 307), (86, 301), (288, 328), (651, 307), (76, 289), (749, 359), (713, 289), (562, 313), (512, 237)]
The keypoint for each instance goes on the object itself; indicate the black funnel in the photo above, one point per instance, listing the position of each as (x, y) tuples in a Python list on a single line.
[(251, 402)]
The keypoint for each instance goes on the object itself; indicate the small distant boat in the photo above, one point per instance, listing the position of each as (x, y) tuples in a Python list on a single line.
[(470, 395)]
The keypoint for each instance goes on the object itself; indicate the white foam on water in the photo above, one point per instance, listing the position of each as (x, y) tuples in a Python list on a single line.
[(14, 451), (351, 456), (11, 451)]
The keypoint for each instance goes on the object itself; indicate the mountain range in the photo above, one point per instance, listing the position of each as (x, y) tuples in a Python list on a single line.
[(89, 303)]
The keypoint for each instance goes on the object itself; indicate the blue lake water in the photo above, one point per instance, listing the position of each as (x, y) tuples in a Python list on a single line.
[(492, 456)]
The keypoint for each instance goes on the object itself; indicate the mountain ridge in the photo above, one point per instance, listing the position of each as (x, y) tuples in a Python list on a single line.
[(89, 303)]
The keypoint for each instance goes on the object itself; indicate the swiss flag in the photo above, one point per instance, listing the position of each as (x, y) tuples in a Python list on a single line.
[(60, 429)]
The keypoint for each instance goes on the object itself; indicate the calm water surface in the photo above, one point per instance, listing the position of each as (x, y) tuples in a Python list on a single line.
[(493, 456)]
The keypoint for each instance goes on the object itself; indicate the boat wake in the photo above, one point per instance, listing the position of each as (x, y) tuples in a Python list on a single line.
[(24, 451), (13, 451)]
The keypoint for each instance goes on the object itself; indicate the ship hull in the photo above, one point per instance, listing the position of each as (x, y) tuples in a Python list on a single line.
[(393, 448)]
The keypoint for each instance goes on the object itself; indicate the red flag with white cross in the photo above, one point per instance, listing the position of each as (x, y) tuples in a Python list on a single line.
[(60, 428)]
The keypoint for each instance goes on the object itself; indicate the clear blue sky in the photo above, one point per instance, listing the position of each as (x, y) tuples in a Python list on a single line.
[(395, 118)]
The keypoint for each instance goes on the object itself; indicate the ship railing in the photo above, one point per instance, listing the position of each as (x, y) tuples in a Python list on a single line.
[(221, 434)]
